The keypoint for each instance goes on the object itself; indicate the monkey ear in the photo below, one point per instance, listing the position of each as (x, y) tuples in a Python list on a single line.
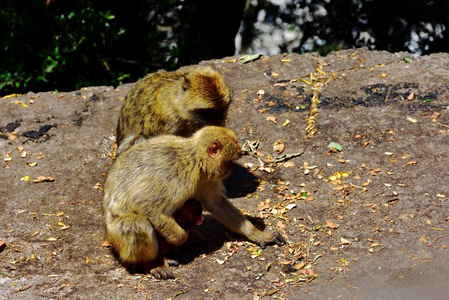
[(214, 149), (185, 83)]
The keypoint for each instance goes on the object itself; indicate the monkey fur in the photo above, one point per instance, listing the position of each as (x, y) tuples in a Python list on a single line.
[(153, 179), (177, 103)]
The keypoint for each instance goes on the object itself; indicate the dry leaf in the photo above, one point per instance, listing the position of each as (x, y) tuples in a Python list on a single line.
[(43, 179), (279, 147), (299, 266), (272, 119), (289, 164), (280, 225), (290, 206), (8, 156), (344, 241), (25, 178), (331, 224)]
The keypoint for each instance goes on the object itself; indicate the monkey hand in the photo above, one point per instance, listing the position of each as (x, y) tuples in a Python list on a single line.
[(276, 238)]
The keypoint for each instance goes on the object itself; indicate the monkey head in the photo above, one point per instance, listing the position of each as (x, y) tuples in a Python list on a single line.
[(205, 97), (191, 213), (220, 150)]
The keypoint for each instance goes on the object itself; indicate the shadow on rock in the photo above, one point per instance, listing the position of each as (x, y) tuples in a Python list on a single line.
[(241, 182), (215, 235)]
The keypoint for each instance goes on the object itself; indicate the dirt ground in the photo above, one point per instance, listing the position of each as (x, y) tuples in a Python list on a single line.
[(368, 222)]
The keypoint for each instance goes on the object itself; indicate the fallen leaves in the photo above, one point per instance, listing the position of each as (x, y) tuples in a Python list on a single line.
[(338, 175), (25, 178), (278, 210), (272, 119), (410, 119), (43, 179), (8, 156), (21, 103), (279, 146), (331, 224), (63, 226), (344, 241)]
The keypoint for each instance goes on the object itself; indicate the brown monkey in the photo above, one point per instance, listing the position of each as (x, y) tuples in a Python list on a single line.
[(149, 182), (178, 103)]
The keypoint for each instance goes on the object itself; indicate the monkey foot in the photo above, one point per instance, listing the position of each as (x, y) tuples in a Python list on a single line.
[(162, 273)]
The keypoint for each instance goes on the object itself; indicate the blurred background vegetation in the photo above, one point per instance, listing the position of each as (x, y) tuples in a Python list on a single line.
[(67, 44)]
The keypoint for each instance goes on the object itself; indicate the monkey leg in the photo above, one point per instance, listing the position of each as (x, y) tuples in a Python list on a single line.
[(170, 230), (226, 213), (133, 237)]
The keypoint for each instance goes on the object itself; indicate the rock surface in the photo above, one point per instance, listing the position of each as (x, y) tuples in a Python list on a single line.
[(369, 222)]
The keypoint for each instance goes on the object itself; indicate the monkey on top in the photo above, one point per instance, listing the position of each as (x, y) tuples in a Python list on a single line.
[(179, 103)]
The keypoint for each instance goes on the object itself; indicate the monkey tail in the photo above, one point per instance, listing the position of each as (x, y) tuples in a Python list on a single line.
[(133, 237)]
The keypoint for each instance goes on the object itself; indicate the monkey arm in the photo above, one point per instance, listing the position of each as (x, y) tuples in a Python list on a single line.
[(214, 201), (169, 229)]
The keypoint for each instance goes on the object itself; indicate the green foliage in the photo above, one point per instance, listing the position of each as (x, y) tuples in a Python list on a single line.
[(68, 45)]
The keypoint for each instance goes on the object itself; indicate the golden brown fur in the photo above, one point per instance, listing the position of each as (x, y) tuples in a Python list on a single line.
[(178, 103), (152, 180)]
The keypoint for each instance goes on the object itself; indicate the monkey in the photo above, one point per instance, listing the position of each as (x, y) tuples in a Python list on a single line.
[(178, 103), (149, 182)]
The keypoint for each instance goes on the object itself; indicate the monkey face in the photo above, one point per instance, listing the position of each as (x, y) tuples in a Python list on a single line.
[(191, 213)]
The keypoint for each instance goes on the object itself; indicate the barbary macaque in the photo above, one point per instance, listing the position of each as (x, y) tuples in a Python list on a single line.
[(152, 180), (178, 103)]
